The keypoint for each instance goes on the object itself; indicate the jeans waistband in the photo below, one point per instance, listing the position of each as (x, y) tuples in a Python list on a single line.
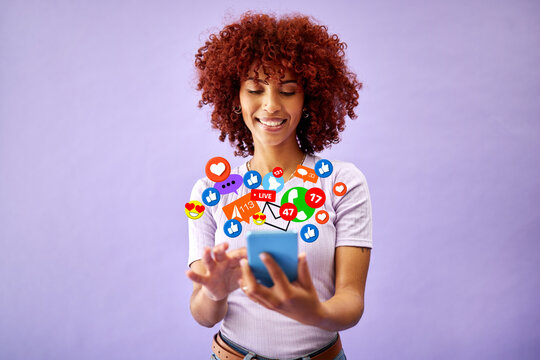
[(245, 351)]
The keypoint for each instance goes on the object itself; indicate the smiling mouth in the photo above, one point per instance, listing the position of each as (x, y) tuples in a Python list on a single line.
[(194, 214), (271, 123)]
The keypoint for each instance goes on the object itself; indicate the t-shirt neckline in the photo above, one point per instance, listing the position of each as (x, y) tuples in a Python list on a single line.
[(309, 162)]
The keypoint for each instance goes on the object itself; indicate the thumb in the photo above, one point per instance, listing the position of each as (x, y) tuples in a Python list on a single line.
[(304, 277)]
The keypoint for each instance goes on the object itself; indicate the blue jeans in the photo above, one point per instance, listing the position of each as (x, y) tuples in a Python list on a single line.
[(340, 356)]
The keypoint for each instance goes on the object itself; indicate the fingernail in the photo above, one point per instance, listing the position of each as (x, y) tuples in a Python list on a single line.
[(263, 256), (243, 262)]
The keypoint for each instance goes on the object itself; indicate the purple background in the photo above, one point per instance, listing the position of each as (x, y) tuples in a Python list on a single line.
[(101, 141)]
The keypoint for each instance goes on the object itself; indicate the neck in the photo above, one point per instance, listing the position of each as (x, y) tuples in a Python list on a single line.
[(266, 158)]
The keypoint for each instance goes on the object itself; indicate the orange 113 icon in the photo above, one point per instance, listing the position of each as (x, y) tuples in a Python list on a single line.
[(242, 208)]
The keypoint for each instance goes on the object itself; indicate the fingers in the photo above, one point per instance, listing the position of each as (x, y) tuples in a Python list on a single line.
[(219, 252), (235, 256), (212, 257), (198, 278), (239, 253), (281, 282), (207, 259), (250, 285), (248, 279), (304, 276), (255, 296)]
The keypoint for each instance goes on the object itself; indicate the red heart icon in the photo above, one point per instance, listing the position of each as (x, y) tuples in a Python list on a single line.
[(199, 208), (255, 217), (190, 206), (263, 217)]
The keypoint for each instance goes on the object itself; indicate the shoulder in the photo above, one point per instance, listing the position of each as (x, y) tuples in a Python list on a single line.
[(199, 186), (341, 170), (348, 170)]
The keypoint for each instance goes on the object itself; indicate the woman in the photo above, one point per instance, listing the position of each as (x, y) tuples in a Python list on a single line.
[(280, 91)]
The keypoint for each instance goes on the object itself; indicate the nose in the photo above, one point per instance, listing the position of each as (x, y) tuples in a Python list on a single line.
[(272, 102)]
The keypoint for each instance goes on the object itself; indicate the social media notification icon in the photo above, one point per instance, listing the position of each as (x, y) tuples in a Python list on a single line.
[(315, 197), (259, 218), (232, 228), (297, 197), (321, 217), (309, 233), (230, 185), (194, 209), (217, 169), (340, 189), (210, 197), (270, 182), (288, 211), (278, 172), (242, 208), (324, 168), (252, 179)]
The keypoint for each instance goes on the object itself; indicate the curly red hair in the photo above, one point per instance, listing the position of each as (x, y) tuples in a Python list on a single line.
[(294, 43)]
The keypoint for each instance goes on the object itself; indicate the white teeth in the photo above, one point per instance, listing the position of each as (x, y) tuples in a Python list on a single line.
[(272, 123)]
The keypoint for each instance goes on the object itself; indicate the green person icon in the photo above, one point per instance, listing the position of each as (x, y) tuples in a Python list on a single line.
[(297, 196)]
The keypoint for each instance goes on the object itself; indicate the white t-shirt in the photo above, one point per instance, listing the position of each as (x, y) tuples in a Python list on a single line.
[(266, 332)]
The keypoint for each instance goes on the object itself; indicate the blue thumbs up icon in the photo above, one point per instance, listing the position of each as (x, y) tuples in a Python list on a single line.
[(210, 197), (309, 233), (324, 168)]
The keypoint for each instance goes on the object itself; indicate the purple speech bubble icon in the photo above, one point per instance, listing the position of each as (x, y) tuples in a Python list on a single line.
[(231, 184)]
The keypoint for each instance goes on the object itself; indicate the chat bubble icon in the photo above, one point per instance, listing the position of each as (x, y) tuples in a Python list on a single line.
[(306, 174), (231, 184)]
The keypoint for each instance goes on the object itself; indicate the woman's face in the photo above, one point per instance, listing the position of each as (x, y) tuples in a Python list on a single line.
[(271, 108)]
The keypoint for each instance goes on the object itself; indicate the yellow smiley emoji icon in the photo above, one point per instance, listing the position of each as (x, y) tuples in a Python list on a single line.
[(194, 209), (259, 218)]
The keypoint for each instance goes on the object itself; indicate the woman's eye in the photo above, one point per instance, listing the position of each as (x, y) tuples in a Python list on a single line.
[(285, 93)]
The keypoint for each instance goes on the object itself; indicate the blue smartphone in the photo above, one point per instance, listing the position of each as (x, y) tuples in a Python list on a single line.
[(282, 246)]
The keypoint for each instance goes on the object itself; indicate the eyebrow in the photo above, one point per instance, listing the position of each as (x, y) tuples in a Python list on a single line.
[(265, 82)]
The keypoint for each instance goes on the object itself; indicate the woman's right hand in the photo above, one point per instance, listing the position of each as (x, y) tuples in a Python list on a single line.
[(218, 275)]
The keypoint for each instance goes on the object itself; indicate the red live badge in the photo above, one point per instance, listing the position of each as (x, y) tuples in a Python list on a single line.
[(263, 195)]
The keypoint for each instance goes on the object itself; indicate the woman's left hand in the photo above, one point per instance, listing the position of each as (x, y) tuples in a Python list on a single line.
[(297, 300)]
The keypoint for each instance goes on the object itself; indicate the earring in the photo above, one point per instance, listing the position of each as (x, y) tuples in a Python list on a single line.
[(237, 110), (305, 113)]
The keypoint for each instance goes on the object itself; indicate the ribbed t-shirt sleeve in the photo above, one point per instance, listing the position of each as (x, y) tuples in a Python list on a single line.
[(202, 231), (353, 210)]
